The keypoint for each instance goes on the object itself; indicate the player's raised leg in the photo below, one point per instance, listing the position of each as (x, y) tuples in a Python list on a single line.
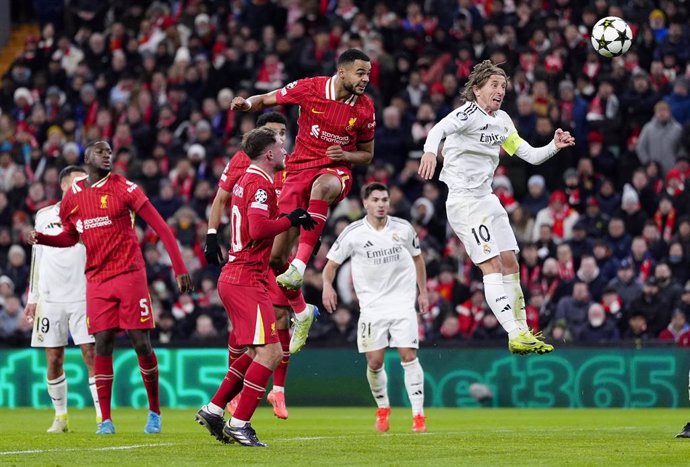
[(324, 191)]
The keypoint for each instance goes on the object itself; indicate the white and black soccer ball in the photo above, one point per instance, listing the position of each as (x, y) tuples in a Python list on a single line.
[(611, 36)]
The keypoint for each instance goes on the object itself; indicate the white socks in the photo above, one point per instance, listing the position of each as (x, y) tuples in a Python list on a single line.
[(214, 409), (498, 301), (414, 383), (511, 284), (57, 389), (299, 264), (94, 396), (378, 382)]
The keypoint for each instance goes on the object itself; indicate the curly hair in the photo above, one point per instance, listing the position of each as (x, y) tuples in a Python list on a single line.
[(480, 75)]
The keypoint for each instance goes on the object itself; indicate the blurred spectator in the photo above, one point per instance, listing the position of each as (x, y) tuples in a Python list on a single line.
[(618, 240), (600, 328), (677, 327), (589, 273), (660, 138), (631, 211), (573, 309), (670, 289), (580, 244), (10, 321), (636, 327), (626, 285), (536, 198), (650, 304), (558, 215)]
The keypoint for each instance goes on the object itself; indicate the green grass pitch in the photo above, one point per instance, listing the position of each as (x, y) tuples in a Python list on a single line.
[(346, 436)]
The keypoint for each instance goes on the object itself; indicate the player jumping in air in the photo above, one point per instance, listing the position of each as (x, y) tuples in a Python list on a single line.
[(100, 210), (474, 134), (243, 288), (57, 305), (387, 271), (336, 129)]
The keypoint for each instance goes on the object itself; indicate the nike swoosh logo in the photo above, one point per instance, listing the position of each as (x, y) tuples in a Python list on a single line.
[(313, 110), (74, 210), (528, 343), (143, 320)]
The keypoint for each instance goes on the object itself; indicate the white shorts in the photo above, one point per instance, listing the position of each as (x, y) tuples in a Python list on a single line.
[(375, 333), (482, 224), (54, 322)]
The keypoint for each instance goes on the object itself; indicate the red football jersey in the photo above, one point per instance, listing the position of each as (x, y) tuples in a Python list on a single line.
[(103, 215), (325, 122), (237, 167), (247, 258)]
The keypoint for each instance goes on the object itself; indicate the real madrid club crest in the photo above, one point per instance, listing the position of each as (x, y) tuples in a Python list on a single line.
[(396, 238), (487, 248)]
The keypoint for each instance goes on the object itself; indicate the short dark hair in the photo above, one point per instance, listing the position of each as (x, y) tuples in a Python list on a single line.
[(90, 146), (374, 186), (270, 117), (350, 55), (255, 142), (69, 170)]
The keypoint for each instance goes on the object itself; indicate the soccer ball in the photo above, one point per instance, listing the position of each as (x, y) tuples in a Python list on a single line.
[(611, 36)]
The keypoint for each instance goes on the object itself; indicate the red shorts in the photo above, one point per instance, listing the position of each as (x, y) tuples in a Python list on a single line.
[(275, 295), (122, 302), (251, 314), (297, 187)]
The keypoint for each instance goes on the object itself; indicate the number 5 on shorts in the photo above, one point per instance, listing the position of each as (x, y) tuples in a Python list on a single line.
[(145, 310)]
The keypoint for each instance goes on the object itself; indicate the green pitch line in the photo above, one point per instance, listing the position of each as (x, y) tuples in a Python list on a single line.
[(346, 436)]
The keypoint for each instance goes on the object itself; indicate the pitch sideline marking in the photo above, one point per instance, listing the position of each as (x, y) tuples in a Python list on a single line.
[(110, 448)]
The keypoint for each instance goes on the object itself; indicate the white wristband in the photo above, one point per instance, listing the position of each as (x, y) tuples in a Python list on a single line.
[(211, 231)]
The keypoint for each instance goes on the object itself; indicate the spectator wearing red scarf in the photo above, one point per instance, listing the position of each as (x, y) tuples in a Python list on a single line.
[(559, 215)]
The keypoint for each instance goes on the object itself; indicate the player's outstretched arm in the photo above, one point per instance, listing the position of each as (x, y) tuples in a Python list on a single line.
[(62, 240), (212, 251), (254, 103), (448, 125), (329, 297), (154, 219), (536, 156)]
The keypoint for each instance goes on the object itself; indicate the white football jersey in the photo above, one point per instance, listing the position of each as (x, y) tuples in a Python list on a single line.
[(473, 142), (383, 271), (57, 274)]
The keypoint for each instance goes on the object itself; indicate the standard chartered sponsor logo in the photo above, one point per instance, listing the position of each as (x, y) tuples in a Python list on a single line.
[(329, 137), (96, 222)]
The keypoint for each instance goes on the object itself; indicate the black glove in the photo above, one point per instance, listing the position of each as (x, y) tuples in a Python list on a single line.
[(300, 217), (212, 251)]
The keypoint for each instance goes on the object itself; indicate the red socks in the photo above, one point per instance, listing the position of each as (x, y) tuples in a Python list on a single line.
[(103, 369), (252, 392), (148, 366), (280, 373), (232, 383), (318, 209)]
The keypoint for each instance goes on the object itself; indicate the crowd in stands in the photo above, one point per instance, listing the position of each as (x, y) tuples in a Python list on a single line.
[(604, 227)]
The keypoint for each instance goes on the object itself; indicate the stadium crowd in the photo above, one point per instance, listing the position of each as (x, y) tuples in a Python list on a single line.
[(604, 227)]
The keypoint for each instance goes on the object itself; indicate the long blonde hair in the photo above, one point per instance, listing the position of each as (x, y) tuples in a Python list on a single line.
[(481, 73)]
